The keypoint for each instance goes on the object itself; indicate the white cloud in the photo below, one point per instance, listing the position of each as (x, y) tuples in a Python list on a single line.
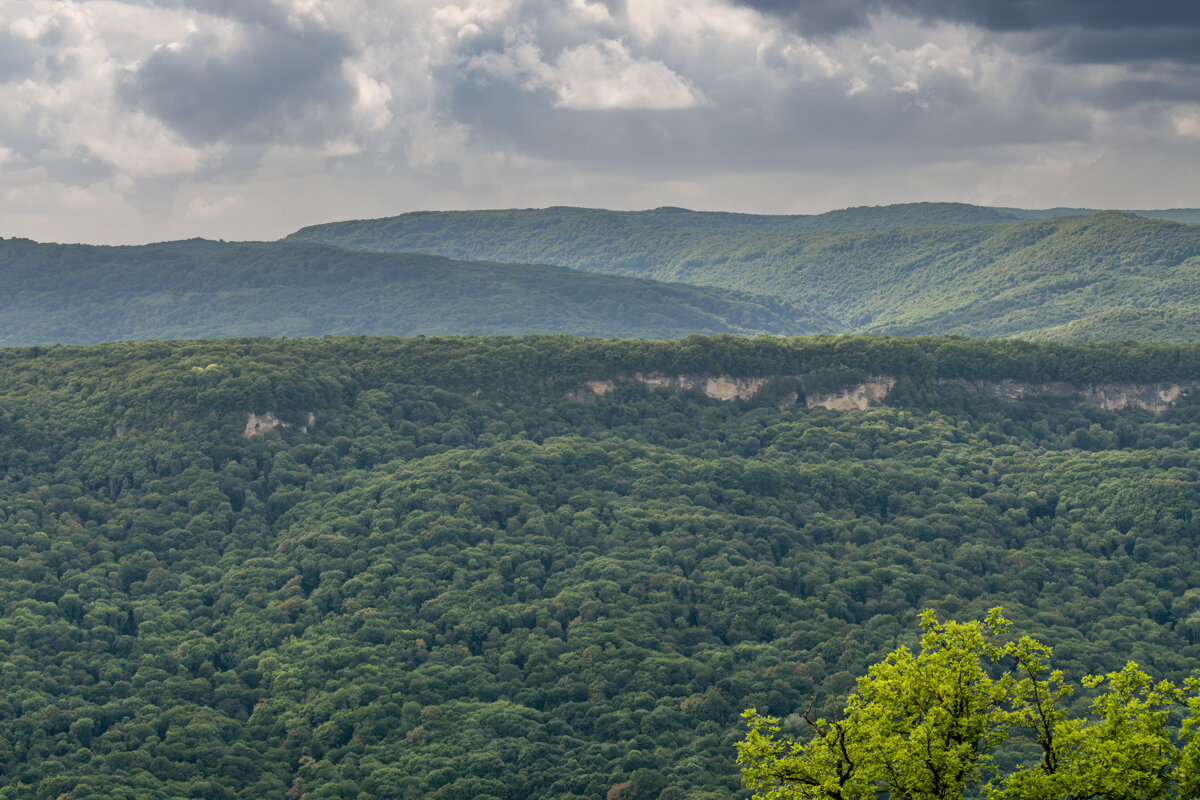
[(202, 208), (1187, 122), (604, 76), (121, 121), (596, 76), (65, 106)]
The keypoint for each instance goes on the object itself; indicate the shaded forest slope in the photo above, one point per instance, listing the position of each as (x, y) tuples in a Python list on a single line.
[(84, 294)]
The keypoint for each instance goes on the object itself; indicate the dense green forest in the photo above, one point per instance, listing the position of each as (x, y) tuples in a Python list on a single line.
[(78, 294), (909, 270), (452, 581)]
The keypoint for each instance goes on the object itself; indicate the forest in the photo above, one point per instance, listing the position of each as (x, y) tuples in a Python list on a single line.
[(445, 578), (81, 294), (915, 269)]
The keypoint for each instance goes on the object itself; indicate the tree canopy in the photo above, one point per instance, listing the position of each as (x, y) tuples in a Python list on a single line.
[(935, 724), (454, 580)]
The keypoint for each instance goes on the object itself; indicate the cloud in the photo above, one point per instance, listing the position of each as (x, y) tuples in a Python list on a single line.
[(596, 76), (163, 118), (62, 108), (833, 16), (247, 79), (203, 208)]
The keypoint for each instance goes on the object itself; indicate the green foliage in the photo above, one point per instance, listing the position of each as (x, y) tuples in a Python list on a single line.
[(83, 294), (922, 268), (1169, 323), (908, 270), (925, 727), (454, 581)]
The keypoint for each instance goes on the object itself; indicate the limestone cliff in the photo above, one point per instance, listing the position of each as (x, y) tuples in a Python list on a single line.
[(1154, 397), (262, 424), (871, 392)]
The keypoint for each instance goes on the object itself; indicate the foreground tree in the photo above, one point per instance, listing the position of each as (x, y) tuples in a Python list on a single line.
[(924, 726)]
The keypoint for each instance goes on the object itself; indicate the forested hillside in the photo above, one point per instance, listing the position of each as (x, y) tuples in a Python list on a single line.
[(1166, 323), (444, 579), (78, 294), (659, 274), (902, 270)]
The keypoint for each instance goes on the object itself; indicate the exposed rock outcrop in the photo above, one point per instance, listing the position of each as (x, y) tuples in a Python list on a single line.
[(262, 424), (1154, 397), (870, 392), (718, 387)]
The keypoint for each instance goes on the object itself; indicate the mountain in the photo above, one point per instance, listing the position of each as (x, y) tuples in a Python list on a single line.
[(257, 569), (1190, 216), (83, 294), (1008, 278), (660, 274)]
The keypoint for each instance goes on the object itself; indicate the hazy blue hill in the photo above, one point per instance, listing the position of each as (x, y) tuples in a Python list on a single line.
[(432, 231), (980, 280), (196, 288), (890, 216), (414, 231), (1190, 216), (657, 274)]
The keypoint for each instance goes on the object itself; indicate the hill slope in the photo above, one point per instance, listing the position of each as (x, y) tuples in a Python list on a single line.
[(998, 279), (83, 294), (1168, 323), (443, 579)]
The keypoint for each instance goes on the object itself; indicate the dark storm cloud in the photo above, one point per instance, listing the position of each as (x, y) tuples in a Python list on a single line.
[(276, 81), (1072, 46), (811, 126), (817, 17)]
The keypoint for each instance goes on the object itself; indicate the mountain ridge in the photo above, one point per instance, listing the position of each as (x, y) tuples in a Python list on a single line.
[(1010, 279), (200, 288)]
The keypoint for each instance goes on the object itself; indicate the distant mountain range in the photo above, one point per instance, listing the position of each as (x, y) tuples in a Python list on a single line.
[(201, 289), (924, 268), (919, 268)]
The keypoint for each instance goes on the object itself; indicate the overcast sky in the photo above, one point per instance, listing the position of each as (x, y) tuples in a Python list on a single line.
[(126, 122)]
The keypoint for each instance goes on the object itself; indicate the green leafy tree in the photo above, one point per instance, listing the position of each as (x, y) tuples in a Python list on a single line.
[(925, 727), (1129, 752)]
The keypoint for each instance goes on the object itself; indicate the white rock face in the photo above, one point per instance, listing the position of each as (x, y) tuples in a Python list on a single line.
[(262, 424), (720, 387), (600, 388), (1154, 397), (257, 425), (870, 392)]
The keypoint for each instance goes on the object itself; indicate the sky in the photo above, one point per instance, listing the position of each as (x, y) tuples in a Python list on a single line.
[(128, 122)]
